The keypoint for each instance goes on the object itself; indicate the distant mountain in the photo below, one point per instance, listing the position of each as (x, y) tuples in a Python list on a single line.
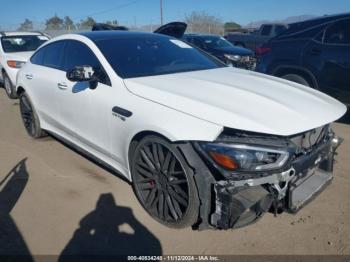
[(288, 20)]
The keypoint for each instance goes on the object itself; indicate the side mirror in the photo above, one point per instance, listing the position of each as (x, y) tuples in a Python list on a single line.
[(81, 74)]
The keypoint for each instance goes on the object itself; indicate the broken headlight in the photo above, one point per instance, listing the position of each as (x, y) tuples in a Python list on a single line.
[(235, 58), (246, 158)]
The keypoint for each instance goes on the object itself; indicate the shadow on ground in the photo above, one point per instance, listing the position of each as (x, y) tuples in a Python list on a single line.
[(106, 232), (89, 157), (11, 240), (111, 230)]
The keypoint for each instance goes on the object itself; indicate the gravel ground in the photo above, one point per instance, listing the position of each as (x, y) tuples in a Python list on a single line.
[(58, 202)]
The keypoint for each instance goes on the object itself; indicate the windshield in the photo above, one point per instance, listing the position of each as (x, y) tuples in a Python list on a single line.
[(153, 55), (13, 44), (216, 42)]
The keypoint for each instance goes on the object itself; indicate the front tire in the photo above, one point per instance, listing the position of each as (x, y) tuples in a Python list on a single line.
[(9, 87), (163, 183), (30, 118)]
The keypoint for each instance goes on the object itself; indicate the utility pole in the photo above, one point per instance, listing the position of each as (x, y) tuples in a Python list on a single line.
[(161, 12)]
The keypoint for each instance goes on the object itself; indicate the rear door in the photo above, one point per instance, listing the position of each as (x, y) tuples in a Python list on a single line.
[(335, 54), (174, 29)]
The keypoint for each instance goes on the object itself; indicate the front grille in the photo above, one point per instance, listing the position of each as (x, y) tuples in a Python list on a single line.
[(247, 62)]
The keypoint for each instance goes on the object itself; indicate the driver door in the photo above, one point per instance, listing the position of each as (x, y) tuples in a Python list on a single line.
[(82, 116)]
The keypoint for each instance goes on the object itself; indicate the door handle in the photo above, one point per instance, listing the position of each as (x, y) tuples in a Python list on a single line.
[(62, 86), (29, 76)]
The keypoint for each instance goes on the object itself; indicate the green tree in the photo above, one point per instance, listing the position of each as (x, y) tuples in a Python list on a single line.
[(27, 25), (87, 23), (54, 23), (68, 23), (231, 26)]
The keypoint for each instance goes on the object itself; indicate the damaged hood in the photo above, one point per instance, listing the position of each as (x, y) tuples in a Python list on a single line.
[(241, 99)]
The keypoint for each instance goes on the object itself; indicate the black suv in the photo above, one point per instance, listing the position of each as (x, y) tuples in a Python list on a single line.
[(314, 53)]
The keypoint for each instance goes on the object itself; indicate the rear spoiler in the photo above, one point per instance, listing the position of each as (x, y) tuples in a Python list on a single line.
[(174, 29)]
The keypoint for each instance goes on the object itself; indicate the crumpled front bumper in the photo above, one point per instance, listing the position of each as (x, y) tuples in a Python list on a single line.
[(243, 202)]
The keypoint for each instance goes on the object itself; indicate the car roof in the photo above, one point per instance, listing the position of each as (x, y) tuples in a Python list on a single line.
[(19, 33), (297, 27), (110, 34)]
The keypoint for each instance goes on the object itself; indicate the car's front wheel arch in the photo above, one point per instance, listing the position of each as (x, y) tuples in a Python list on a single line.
[(305, 74), (160, 171), (136, 140)]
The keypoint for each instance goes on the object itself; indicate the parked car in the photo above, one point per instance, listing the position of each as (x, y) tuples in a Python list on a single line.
[(211, 44), (257, 38), (15, 50), (223, 50), (314, 53), (204, 145)]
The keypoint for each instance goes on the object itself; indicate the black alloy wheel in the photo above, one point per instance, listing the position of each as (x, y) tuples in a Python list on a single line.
[(162, 183), (30, 118)]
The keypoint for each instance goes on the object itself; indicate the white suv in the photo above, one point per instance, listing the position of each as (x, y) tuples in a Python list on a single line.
[(15, 50)]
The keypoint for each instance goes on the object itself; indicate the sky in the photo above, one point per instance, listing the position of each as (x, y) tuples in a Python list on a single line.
[(141, 12)]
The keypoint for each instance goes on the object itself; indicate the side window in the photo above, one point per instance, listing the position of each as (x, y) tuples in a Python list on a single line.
[(338, 33), (279, 29), (38, 57), (79, 54), (266, 30), (198, 42), (53, 54)]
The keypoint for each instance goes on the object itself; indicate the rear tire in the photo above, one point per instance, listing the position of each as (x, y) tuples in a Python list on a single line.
[(297, 79), (29, 117), (163, 183), (9, 87)]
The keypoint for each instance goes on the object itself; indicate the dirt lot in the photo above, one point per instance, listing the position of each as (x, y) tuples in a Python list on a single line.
[(59, 202)]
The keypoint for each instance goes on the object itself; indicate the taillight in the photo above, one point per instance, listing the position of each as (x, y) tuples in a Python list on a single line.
[(263, 50)]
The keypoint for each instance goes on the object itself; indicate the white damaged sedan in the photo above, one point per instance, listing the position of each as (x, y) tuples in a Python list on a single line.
[(204, 145)]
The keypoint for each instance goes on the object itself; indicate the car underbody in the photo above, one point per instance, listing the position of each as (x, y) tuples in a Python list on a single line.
[(232, 200)]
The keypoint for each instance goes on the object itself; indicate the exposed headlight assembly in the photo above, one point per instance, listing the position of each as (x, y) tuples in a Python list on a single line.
[(235, 58), (235, 157)]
